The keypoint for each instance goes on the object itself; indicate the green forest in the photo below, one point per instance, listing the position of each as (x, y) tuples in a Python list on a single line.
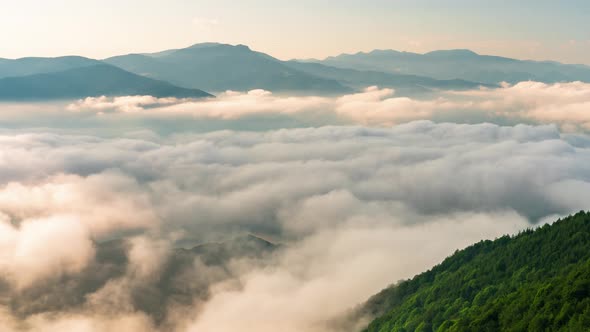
[(538, 280)]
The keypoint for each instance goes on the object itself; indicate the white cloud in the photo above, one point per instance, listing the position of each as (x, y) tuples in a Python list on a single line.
[(359, 208), (323, 275), (565, 104), (121, 104), (103, 203), (89, 323), (205, 24), (43, 248)]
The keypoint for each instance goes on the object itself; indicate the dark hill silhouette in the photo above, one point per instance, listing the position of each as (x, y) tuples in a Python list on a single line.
[(95, 80), (220, 67)]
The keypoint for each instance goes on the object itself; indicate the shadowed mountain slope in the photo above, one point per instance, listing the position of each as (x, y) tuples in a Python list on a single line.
[(461, 64), (95, 80), (402, 83), (33, 66), (220, 67)]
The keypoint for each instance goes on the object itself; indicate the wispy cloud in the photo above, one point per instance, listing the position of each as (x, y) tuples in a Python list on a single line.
[(564, 104), (205, 24)]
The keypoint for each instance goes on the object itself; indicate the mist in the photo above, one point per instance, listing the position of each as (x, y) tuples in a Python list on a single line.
[(265, 212)]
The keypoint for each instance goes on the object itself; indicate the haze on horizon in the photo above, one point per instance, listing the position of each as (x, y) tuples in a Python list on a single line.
[(537, 30)]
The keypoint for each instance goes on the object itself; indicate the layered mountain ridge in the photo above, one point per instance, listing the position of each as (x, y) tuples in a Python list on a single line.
[(214, 67)]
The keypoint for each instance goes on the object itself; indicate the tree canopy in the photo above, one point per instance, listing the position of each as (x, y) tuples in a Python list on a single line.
[(538, 280)]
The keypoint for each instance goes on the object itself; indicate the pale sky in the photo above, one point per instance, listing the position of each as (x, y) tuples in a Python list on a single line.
[(526, 29)]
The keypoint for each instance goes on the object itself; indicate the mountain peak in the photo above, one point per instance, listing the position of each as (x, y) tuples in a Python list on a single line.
[(449, 53), (205, 45), (212, 45), (379, 52)]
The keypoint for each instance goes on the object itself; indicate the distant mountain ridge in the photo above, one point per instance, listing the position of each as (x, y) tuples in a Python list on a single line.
[(402, 83), (460, 64), (221, 67), (215, 67), (37, 65)]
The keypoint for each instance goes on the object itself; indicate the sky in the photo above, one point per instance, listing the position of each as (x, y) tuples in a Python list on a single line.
[(539, 29)]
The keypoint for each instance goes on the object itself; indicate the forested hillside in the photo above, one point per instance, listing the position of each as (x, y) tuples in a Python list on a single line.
[(538, 280)]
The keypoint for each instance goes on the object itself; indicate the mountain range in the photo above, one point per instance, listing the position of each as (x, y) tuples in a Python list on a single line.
[(219, 67), (213, 67), (403, 83), (460, 64)]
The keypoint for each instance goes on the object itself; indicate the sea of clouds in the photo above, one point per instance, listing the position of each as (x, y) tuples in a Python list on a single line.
[(565, 104), (360, 191)]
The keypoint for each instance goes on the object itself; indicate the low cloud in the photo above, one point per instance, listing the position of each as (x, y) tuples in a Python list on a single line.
[(43, 249), (321, 276), (567, 104), (104, 203), (90, 225), (564, 104), (79, 323), (121, 104)]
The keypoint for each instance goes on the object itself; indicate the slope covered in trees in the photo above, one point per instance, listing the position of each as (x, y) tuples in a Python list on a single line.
[(538, 280)]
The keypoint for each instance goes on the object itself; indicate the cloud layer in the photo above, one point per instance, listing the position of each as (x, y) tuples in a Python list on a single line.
[(564, 104), (356, 208)]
